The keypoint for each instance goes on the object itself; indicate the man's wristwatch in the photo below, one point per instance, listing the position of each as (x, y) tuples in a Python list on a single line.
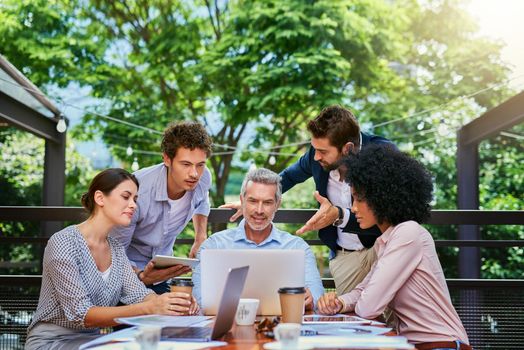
[(340, 218)]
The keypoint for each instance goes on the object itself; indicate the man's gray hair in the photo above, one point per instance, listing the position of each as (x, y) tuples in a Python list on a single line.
[(263, 176)]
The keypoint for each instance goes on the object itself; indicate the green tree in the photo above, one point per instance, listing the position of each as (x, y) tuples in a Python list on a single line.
[(456, 64), (275, 63), (260, 69), (270, 64), (501, 188), (39, 37)]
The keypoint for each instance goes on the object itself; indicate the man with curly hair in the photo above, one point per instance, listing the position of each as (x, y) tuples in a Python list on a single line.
[(393, 191), (171, 194)]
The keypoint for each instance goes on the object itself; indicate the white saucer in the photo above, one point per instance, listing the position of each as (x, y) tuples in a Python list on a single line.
[(276, 345)]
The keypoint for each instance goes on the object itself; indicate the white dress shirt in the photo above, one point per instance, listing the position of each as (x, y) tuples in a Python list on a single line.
[(339, 194)]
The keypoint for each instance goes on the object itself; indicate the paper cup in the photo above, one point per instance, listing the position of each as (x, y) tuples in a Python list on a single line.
[(292, 304)]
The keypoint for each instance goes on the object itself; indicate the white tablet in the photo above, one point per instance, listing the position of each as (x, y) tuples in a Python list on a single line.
[(318, 319), (163, 261)]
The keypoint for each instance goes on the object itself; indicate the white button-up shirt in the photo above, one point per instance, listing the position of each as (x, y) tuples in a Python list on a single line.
[(153, 229)]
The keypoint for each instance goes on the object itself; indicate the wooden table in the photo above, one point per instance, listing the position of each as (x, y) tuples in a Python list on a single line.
[(244, 338), (247, 338), (239, 338)]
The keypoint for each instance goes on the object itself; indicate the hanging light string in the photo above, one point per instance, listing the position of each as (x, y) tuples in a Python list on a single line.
[(261, 150), (505, 83), (442, 128), (133, 125), (151, 153), (257, 151)]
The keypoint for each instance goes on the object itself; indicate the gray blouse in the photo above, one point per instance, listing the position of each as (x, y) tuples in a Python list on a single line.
[(72, 283)]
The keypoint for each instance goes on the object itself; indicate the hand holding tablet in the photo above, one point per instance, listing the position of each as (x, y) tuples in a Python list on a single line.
[(163, 261)]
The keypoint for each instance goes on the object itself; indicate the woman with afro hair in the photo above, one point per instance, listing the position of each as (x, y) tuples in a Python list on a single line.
[(393, 191)]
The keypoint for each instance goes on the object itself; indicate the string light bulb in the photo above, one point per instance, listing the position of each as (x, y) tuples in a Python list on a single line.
[(61, 126), (135, 165), (272, 160), (407, 147), (129, 151), (442, 128)]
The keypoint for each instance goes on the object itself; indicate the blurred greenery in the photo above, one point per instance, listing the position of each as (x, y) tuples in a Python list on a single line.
[(254, 72), (21, 177)]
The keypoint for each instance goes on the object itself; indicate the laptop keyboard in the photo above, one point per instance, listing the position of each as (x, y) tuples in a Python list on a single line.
[(203, 333)]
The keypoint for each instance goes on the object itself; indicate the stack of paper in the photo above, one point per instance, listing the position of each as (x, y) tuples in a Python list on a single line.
[(162, 321), (125, 340)]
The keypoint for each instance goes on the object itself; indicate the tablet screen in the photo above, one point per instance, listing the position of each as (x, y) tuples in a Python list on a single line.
[(336, 318)]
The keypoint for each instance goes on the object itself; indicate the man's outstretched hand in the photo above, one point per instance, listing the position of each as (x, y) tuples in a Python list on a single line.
[(234, 205), (325, 215)]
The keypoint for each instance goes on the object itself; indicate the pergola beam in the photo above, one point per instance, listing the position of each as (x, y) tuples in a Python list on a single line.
[(490, 124), (28, 119), (22, 80)]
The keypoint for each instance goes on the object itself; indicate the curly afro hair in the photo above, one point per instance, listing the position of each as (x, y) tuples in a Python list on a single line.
[(396, 187), (189, 135)]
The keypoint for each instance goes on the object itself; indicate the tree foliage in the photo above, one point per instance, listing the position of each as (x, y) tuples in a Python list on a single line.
[(39, 38), (254, 72)]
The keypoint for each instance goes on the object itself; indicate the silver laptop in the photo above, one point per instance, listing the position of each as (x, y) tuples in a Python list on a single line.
[(269, 270), (234, 283)]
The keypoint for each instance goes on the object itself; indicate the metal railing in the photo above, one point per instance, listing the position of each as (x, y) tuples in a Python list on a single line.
[(287, 216)]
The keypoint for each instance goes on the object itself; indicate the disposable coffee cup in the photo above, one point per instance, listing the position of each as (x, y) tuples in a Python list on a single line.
[(292, 304), (181, 286)]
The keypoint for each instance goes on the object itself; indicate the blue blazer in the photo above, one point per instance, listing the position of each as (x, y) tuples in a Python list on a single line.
[(306, 167)]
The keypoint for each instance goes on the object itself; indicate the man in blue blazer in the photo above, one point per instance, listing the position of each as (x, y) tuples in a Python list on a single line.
[(334, 134)]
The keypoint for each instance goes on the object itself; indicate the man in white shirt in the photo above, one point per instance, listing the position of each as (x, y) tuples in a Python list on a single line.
[(170, 195), (334, 134)]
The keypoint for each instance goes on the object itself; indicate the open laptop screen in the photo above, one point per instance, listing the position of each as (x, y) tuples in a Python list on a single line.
[(269, 270), (234, 284)]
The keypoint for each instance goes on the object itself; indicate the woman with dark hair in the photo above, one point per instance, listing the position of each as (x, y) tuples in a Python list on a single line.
[(393, 191), (86, 272)]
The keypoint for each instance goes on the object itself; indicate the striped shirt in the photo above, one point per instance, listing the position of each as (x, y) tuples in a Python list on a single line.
[(72, 283)]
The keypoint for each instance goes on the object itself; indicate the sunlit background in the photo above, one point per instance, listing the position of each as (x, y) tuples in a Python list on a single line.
[(503, 20)]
